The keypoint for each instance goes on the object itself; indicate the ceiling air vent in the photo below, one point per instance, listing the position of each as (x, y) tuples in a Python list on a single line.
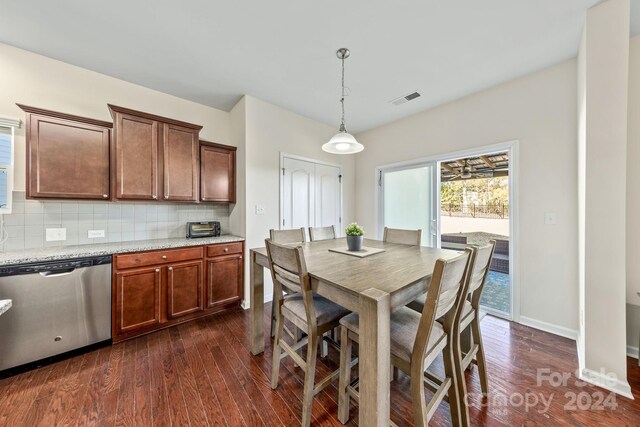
[(406, 98)]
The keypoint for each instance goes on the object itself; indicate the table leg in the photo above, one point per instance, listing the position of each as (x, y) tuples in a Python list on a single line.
[(375, 311), (256, 290)]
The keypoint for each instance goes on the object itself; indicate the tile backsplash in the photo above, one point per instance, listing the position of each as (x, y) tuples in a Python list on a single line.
[(121, 221)]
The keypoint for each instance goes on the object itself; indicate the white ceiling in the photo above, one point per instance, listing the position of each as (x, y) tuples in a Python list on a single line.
[(283, 51)]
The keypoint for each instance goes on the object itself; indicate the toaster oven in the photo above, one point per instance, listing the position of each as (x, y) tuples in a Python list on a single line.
[(203, 229)]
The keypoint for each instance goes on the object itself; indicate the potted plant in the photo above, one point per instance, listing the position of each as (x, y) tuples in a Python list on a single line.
[(355, 235)]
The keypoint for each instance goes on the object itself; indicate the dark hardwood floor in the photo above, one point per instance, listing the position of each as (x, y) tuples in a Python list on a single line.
[(202, 373)]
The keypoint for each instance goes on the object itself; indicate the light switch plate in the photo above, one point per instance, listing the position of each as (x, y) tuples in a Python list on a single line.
[(94, 234), (56, 234), (550, 218), (260, 210)]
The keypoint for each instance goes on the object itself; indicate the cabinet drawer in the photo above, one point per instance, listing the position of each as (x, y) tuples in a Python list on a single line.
[(224, 249), (157, 257)]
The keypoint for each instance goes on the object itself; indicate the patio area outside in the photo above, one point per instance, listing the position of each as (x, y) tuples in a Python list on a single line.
[(474, 210)]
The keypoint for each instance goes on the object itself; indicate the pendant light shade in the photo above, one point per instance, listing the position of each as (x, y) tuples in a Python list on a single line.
[(342, 142)]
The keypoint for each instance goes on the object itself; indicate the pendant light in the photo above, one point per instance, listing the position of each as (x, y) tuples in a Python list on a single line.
[(342, 142)]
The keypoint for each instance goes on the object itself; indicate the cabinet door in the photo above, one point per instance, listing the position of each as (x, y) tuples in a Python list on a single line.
[(184, 288), (217, 174), (67, 159), (224, 280), (180, 160), (136, 157), (138, 300)]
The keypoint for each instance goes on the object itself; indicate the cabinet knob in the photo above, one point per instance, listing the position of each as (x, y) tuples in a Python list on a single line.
[(157, 270), (166, 197), (154, 197), (170, 268), (164, 257), (104, 196), (226, 249)]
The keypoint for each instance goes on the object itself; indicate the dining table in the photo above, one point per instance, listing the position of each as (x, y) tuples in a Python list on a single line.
[(373, 286)]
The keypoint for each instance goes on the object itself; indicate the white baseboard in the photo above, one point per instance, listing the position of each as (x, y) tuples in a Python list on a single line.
[(549, 327), (599, 379), (632, 351), (245, 304)]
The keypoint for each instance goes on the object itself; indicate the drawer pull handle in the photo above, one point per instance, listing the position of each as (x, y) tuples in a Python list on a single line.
[(164, 257), (226, 249)]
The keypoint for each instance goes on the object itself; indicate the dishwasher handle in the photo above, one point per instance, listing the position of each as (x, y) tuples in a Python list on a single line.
[(57, 273)]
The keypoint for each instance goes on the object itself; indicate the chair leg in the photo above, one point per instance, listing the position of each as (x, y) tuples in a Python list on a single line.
[(454, 394), (482, 363), (345, 376), (309, 378), (275, 360), (418, 397), (461, 387)]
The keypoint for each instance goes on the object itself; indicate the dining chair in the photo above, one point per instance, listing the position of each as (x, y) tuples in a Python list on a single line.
[(416, 341), (470, 316), (402, 237), (308, 311), (294, 235), (322, 233)]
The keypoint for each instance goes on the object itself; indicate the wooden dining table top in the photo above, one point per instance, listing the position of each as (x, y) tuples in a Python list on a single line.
[(388, 271)]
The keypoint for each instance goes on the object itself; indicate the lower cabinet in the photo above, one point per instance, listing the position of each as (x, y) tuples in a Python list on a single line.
[(157, 289)]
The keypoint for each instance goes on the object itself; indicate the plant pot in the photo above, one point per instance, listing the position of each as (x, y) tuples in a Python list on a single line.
[(354, 243)]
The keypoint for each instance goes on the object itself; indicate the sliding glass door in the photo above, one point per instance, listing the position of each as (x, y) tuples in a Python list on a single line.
[(408, 198)]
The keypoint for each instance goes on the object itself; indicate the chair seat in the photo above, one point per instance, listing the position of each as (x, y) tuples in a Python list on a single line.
[(404, 327), (326, 311)]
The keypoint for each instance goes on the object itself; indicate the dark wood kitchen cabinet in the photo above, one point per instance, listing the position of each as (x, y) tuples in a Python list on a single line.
[(217, 172), (153, 157), (224, 275), (184, 289), (67, 156), (158, 289), (137, 299)]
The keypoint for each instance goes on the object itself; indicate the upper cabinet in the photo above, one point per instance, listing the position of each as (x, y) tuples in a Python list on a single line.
[(217, 173), (154, 157), (67, 156)]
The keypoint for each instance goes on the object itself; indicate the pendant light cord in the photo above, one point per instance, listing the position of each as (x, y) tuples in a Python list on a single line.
[(342, 126)]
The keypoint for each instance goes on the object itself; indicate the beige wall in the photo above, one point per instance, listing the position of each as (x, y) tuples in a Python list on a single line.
[(35, 80), (539, 110), (271, 130), (603, 147), (633, 198)]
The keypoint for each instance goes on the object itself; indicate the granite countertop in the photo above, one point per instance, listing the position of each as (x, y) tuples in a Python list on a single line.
[(5, 305), (81, 251)]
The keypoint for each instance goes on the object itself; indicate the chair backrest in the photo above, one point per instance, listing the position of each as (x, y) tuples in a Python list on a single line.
[(403, 237), (289, 271), (479, 270), (444, 298), (322, 233), (294, 235)]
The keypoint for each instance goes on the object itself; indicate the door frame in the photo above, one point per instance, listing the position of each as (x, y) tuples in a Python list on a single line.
[(283, 156), (513, 147)]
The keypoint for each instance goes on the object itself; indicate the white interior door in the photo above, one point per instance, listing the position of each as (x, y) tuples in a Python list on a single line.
[(298, 198), (408, 200), (328, 210), (311, 194)]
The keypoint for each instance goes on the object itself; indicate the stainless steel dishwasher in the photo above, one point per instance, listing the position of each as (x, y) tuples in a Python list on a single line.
[(58, 306)]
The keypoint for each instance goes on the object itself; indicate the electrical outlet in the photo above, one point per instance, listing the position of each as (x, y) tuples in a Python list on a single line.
[(56, 234), (94, 234), (260, 210)]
